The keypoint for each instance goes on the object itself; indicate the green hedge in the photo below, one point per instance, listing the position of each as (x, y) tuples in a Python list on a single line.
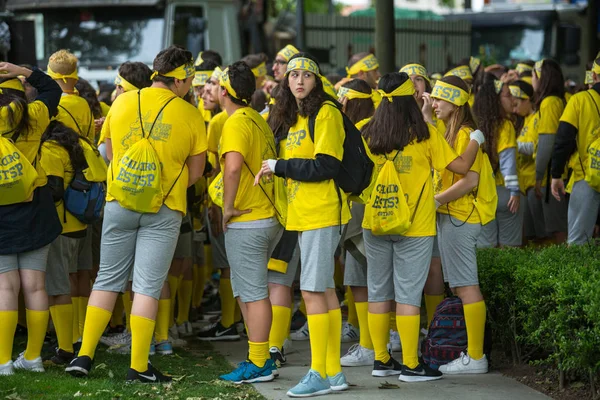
[(544, 305)]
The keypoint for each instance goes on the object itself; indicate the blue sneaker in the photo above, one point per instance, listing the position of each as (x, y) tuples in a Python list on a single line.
[(164, 348), (338, 382), (311, 385), (273, 367), (248, 372)]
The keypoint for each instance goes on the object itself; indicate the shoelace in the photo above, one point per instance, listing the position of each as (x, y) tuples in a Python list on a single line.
[(464, 356), (307, 377), (354, 349)]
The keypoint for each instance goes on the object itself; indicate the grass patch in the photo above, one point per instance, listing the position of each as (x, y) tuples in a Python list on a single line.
[(195, 372)]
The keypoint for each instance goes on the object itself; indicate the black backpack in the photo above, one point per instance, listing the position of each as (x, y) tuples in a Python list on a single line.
[(357, 168)]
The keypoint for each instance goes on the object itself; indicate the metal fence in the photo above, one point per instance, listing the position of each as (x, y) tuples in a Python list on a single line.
[(435, 44)]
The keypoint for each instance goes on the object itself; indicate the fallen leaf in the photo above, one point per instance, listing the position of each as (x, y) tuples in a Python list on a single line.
[(577, 385), (100, 366), (14, 396), (179, 378), (78, 394), (110, 374), (387, 385), (9, 390), (209, 358)]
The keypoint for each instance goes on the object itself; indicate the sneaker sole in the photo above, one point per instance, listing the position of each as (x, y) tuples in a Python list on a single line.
[(318, 393), (417, 378), (383, 374), (300, 339), (340, 388), (267, 378), (469, 372), (223, 338), (77, 372), (357, 363), (37, 369), (6, 373), (164, 352)]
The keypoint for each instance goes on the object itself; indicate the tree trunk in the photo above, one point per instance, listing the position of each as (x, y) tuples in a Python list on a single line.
[(385, 35)]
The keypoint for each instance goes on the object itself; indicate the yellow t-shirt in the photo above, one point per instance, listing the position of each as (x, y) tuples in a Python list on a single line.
[(414, 165), (207, 114), (506, 140), (28, 142), (247, 133), (314, 205), (80, 119), (105, 108), (179, 132), (525, 163), (439, 124), (582, 113), (463, 208), (215, 128), (56, 162), (549, 115)]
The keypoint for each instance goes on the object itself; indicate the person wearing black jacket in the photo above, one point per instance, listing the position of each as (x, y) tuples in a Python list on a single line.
[(577, 130), (27, 228)]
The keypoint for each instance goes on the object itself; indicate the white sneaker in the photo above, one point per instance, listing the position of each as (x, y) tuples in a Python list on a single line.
[(35, 365), (121, 338), (7, 369), (350, 333), (185, 329), (301, 334), (466, 365), (177, 343), (174, 332), (395, 340), (287, 346), (358, 356)]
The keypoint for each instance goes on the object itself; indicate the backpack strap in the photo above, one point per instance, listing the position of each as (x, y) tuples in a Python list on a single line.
[(73, 118), (313, 118), (263, 190)]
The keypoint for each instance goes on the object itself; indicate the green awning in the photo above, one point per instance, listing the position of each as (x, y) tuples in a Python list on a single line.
[(400, 13)]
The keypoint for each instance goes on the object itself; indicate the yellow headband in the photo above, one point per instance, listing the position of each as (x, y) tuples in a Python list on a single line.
[(369, 63), (351, 94), (462, 71), (450, 93), (120, 81), (518, 93), (436, 76), (498, 86), (226, 83), (14, 84), (56, 76), (416, 69), (589, 78), (538, 68), (260, 71), (328, 87), (521, 68), (303, 64), (406, 89), (182, 72), (200, 78), (287, 52), (199, 60), (474, 63), (596, 67), (216, 75), (527, 79)]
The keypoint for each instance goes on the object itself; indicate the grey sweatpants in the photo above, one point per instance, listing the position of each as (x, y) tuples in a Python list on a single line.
[(583, 212)]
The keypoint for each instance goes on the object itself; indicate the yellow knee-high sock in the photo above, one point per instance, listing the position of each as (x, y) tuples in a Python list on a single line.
[(431, 303), (173, 286), (184, 301), (475, 322), (83, 302), (393, 321), (318, 330), (227, 302), (7, 334), (162, 320), (98, 318), (37, 324), (75, 327), (302, 307), (62, 315), (352, 316), (379, 326), (258, 353), (362, 313), (127, 304), (117, 317), (141, 337), (280, 326), (408, 327), (334, 343)]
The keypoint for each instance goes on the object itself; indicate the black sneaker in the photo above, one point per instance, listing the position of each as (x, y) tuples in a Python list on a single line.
[(79, 366), (77, 347), (421, 373), (218, 332), (152, 375), (116, 330), (61, 357), (298, 321), (277, 356), (381, 369), (212, 306)]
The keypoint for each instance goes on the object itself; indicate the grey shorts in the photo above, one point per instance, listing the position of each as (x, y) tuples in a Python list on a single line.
[(217, 244), (458, 242), (85, 258), (288, 278), (435, 253), (248, 252), (62, 260), (533, 218), (96, 239), (198, 253), (507, 228), (34, 260), (184, 246), (355, 273), (317, 250), (555, 213), (583, 212), (144, 242), (398, 267)]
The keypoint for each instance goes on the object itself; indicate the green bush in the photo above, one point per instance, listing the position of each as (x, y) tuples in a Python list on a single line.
[(545, 302)]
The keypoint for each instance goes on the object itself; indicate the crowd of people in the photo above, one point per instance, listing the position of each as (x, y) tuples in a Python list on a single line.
[(231, 174)]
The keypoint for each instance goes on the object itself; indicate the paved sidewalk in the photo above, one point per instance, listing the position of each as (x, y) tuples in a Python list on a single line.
[(492, 386)]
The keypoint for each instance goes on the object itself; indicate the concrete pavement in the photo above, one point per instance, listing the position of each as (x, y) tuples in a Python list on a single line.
[(492, 386)]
